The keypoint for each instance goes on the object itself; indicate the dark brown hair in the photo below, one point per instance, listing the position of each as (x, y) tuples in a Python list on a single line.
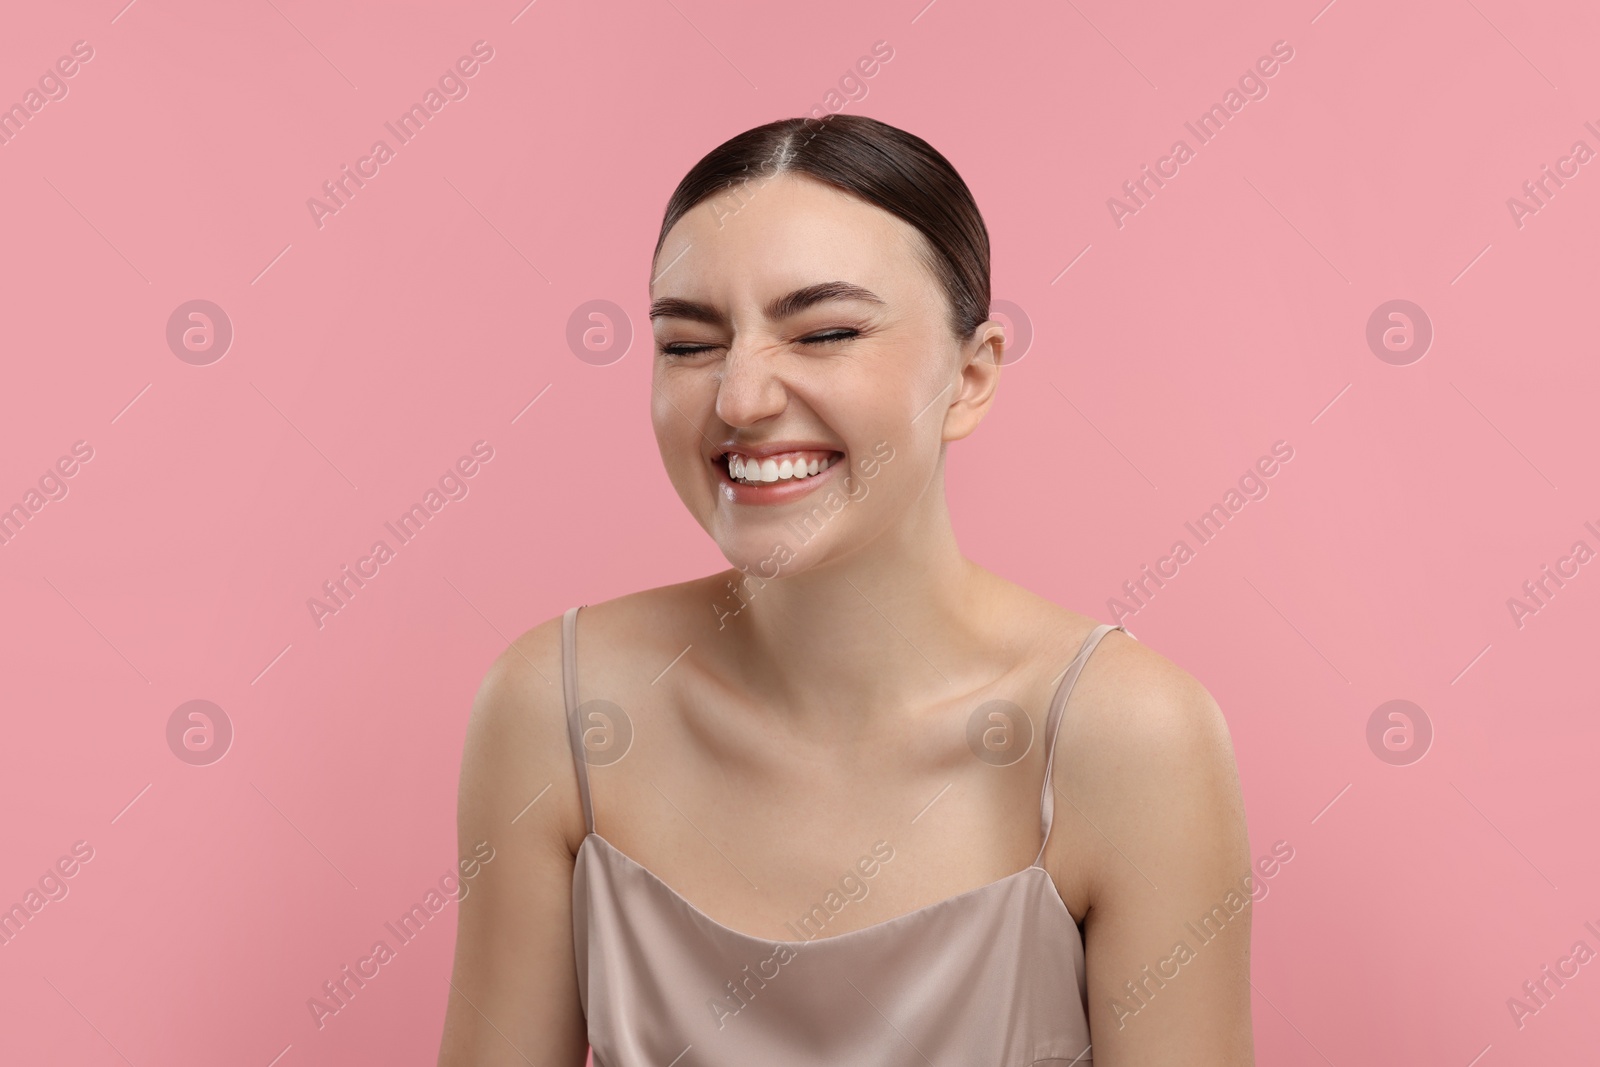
[(883, 165)]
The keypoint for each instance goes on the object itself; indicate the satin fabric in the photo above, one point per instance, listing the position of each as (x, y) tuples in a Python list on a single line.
[(994, 975)]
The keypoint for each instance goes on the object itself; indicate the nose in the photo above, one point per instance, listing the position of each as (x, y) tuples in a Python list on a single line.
[(750, 388)]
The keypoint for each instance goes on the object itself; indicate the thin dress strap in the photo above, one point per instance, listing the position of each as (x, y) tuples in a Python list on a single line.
[(569, 684), (1047, 800)]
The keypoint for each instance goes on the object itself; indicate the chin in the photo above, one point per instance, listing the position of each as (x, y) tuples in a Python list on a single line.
[(766, 555)]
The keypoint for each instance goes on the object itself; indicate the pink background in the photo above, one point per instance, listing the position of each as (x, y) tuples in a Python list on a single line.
[(1228, 313)]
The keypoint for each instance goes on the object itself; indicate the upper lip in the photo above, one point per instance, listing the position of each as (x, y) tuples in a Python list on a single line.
[(770, 448)]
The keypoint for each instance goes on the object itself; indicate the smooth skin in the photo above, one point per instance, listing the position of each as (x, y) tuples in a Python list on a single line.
[(830, 709)]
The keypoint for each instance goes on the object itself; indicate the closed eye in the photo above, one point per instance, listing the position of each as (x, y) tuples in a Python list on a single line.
[(827, 337)]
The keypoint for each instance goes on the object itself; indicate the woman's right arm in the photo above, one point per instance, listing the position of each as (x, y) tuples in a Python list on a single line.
[(514, 993)]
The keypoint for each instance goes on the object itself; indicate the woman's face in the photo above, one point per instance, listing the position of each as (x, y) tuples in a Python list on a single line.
[(796, 329)]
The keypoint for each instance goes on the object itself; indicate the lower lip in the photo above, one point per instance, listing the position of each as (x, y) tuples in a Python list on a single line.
[(772, 492)]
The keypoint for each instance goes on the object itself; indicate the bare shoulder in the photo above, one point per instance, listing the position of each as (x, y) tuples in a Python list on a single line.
[(1129, 700), (517, 807), (525, 682), (517, 745), (629, 623), (1144, 778), (1132, 695), (1128, 695), (1146, 759), (1153, 838)]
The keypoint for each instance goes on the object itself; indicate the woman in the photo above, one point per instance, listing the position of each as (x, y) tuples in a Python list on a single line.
[(808, 788)]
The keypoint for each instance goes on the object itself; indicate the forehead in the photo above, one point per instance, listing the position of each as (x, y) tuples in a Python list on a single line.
[(784, 232)]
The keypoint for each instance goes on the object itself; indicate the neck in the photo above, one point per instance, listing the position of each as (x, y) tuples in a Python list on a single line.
[(897, 620)]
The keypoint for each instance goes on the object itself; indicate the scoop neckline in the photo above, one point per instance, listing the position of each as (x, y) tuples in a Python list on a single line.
[(873, 928)]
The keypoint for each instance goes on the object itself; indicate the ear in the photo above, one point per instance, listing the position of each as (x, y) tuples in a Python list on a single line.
[(979, 377)]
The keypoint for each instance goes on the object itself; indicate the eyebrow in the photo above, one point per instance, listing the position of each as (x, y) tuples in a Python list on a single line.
[(781, 308)]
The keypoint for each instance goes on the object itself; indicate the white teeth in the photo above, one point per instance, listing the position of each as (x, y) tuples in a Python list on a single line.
[(751, 470)]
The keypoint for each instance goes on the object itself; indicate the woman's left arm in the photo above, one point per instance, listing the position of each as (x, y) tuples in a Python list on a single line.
[(1151, 774)]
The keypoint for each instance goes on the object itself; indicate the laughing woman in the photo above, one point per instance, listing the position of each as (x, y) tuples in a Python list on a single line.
[(855, 799)]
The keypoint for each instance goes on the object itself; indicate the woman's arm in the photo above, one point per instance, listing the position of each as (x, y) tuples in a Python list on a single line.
[(514, 993), (1152, 771)]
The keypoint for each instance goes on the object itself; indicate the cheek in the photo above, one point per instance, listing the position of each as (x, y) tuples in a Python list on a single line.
[(678, 404), (673, 404), (898, 482), (661, 414)]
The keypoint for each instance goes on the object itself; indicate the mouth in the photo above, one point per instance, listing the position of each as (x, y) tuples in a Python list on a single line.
[(776, 478)]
